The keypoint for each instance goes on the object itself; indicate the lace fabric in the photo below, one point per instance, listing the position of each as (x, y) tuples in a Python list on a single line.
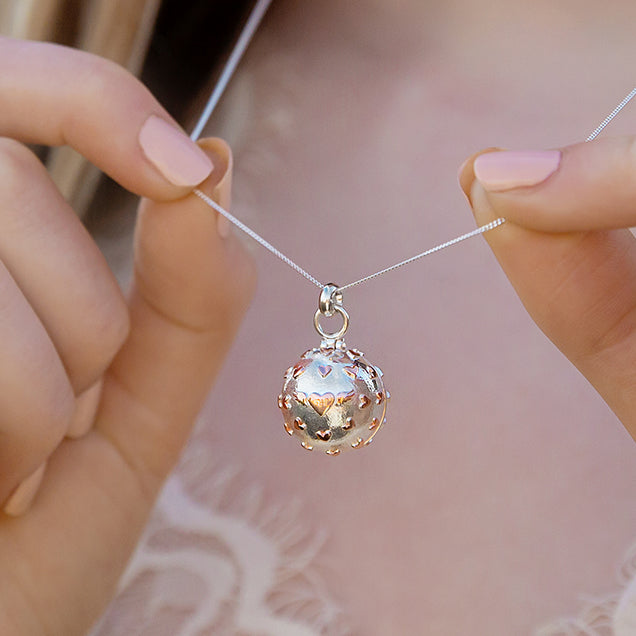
[(217, 560), (614, 615)]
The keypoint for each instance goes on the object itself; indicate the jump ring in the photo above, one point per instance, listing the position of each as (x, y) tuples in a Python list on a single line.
[(336, 335)]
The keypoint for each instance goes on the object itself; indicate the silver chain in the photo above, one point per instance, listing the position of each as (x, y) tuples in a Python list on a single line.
[(247, 33), (480, 230), (259, 239), (239, 48), (613, 114)]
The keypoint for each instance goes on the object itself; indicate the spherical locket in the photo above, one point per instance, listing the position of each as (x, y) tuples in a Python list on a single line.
[(333, 399)]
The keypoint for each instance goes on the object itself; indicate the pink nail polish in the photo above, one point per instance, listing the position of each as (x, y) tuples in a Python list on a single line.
[(174, 154), (508, 169), (22, 497)]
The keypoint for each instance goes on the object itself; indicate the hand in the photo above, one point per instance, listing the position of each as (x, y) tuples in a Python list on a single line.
[(98, 394), (566, 254)]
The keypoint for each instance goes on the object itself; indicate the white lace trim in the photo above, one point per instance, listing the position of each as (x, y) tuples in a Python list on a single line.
[(215, 560), (239, 568)]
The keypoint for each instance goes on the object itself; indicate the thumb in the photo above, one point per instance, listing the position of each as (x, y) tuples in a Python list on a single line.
[(577, 281), (191, 287), (586, 186)]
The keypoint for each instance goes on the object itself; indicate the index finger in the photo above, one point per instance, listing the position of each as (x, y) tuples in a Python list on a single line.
[(53, 95)]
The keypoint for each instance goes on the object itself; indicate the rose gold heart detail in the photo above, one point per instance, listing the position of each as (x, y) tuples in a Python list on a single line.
[(324, 370), (341, 398), (321, 403), (325, 435), (284, 402), (300, 367), (299, 396), (351, 371)]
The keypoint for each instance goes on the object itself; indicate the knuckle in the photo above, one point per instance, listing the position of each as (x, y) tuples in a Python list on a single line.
[(103, 79), (104, 75), (103, 87), (104, 335)]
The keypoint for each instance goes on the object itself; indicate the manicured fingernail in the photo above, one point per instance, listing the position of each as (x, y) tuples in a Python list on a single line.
[(466, 174), (221, 177), (508, 169), (22, 497), (85, 408), (174, 154)]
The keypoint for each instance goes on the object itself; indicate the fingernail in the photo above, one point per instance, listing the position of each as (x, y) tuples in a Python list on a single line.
[(222, 178), (508, 169), (20, 501), (85, 408), (466, 174), (174, 154)]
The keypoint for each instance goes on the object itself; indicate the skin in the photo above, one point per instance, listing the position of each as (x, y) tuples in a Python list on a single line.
[(67, 327), (456, 505), (587, 270)]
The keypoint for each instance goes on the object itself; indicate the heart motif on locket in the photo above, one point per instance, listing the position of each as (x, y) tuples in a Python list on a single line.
[(321, 403)]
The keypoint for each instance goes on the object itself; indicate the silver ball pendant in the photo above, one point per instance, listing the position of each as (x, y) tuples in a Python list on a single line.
[(333, 399)]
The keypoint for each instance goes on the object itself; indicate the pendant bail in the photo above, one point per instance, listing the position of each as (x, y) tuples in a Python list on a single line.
[(329, 296), (330, 303)]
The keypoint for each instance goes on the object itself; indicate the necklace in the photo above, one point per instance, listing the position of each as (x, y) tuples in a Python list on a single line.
[(332, 399)]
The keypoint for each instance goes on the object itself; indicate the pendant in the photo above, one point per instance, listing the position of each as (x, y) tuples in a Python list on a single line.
[(333, 399)]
